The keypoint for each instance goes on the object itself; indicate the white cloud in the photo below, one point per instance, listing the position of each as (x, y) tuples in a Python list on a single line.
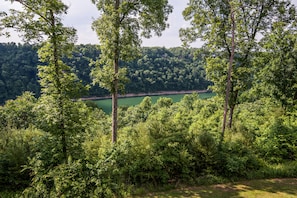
[(82, 13)]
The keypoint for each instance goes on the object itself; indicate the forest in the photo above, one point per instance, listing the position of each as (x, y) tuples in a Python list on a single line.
[(53, 144), (158, 69)]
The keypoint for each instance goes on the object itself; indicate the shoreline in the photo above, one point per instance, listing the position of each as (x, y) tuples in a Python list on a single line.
[(147, 94)]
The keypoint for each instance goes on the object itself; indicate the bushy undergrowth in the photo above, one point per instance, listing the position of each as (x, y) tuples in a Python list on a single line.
[(158, 145), (16, 146)]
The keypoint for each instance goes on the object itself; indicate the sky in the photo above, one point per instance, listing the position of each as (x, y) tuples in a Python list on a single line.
[(82, 13)]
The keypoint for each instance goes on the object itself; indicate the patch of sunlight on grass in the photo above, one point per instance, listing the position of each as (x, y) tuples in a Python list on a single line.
[(269, 188)]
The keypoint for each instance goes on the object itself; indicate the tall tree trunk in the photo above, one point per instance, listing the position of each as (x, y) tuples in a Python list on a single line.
[(114, 115), (116, 75), (115, 102), (229, 77), (59, 87), (232, 106)]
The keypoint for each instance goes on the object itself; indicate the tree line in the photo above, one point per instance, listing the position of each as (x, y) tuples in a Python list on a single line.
[(157, 69)]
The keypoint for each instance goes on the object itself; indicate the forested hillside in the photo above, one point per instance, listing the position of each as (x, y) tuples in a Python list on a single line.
[(156, 69), (18, 70), (56, 145)]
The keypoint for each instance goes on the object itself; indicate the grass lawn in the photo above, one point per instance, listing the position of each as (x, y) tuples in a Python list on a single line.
[(269, 188), (105, 104)]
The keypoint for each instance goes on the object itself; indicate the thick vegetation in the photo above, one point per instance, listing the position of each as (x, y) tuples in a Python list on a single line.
[(55, 145), (158, 144), (18, 66), (158, 69)]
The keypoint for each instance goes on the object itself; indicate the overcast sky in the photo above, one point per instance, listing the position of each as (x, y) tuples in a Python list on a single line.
[(82, 13)]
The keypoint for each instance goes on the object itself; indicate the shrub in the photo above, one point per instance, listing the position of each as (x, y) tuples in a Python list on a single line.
[(18, 113), (71, 179), (15, 148), (279, 142), (237, 161)]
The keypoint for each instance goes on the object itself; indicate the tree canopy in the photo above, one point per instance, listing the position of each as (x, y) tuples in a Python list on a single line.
[(212, 22), (41, 22), (119, 28)]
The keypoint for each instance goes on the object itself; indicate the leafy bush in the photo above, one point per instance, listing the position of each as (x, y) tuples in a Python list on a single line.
[(15, 148), (71, 179), (18, 113), (279, 142), (237, 161)]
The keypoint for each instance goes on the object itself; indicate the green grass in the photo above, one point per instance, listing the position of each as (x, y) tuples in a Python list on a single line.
[(105, 104), (265, 188), (269, 188)]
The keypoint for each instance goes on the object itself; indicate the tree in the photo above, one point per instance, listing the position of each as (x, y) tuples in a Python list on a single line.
[(279, 64), (211, 21), (118, 30), (40, 22), (230, 68)]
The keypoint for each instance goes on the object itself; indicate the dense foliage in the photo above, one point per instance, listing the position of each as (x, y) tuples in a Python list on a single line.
[(159, 144), (158, 69), (55, 145), (18, 69), (231, 31), (120, 27)]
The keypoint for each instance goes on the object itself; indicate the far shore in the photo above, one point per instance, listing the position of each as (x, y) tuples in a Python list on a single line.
[(148, 94)]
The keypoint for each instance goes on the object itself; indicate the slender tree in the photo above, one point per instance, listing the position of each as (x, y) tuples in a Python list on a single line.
[(119, 28), (230, 68), (40, 22), (211, 21)]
